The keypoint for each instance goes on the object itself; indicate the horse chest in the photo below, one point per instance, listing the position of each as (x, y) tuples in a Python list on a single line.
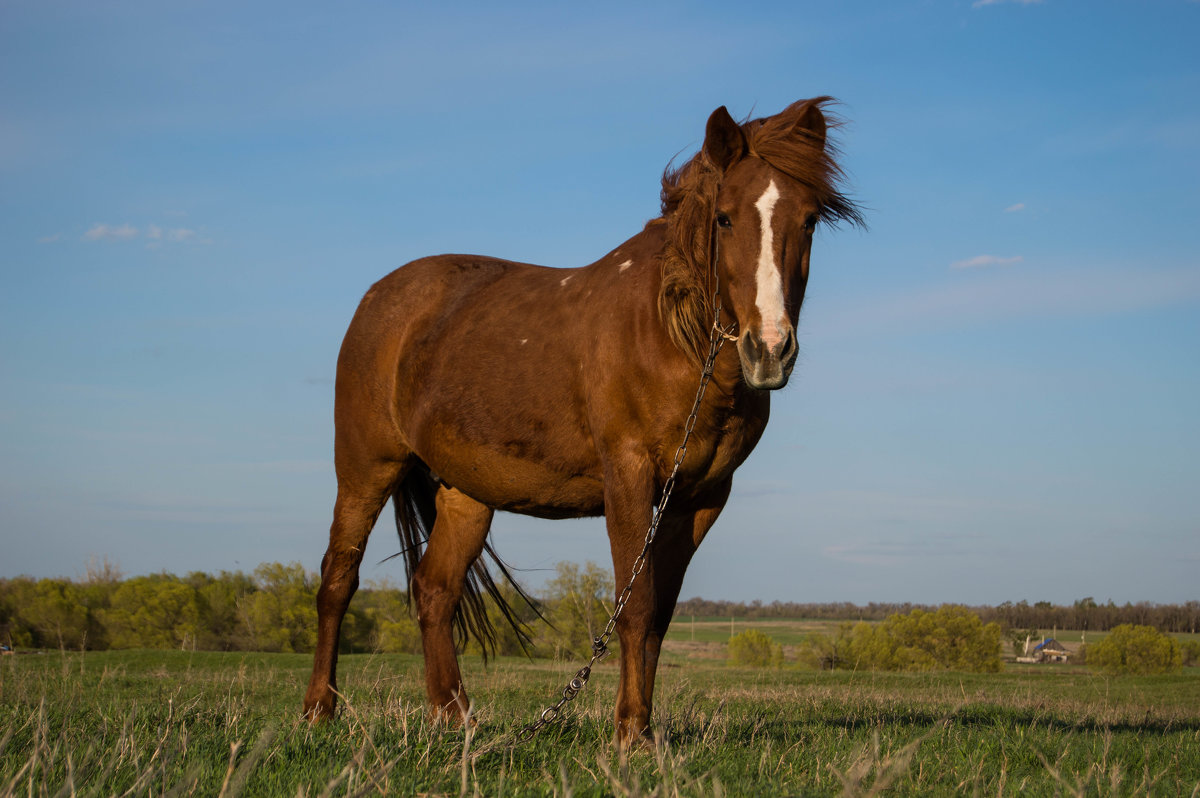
[(713, 455)]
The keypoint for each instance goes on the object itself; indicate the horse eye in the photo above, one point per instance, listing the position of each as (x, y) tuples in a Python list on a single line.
[(724, 221), (810, 224)]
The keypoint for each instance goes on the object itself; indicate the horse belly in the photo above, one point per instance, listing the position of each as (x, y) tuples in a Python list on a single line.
[(515, 470), (528, 487)]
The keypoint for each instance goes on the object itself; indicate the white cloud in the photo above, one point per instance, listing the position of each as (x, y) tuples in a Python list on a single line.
[(152, 232), (99, 232), (49, 239), (1020, 206), (979, 261)]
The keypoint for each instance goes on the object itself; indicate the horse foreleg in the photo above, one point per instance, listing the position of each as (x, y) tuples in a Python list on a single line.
[(455, 543), (358, 506), (679, 537), (627, 503), (671, 558)]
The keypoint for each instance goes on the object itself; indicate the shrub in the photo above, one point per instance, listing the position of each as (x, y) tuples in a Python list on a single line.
[(1191, 652), (951, 638), (1137, 650), (825, 652), (753, 649)]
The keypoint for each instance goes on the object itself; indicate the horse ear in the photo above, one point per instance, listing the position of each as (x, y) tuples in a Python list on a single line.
[(811, 122), (724, 142)]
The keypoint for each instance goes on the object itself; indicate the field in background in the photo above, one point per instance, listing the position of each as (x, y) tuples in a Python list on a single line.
[(705, 637), (157, 722)]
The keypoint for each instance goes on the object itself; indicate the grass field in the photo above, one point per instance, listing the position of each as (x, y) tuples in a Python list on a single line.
[(180, 723)]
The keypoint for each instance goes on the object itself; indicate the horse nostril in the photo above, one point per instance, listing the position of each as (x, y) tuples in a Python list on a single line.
[(789, 347), (753, 346)]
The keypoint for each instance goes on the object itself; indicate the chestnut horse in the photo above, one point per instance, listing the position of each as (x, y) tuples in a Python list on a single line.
[(468, 384)]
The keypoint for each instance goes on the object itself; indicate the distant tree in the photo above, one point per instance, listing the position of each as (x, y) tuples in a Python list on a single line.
[(1085, 614), (220, 625), (282, 614), (100, 582), (1191, 652), (387, 619), (825, 652), (152, 612), (507, 640), (15, 594), (874, 648), (753, 649), (400, 634), (101, 571), (1135, 649), (55, 610), (577, 602), (1018, 637)]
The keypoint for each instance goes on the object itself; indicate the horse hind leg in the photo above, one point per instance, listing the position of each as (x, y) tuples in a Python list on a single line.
[(360, 498), (456, 541)]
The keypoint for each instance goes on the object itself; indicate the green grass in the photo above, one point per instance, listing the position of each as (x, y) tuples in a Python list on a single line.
[(785, 631), (152, 723)]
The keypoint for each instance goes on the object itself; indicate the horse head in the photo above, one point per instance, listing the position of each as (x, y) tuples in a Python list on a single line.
[(753, 197)]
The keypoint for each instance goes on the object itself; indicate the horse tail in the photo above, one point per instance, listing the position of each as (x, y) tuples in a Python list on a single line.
[(416, 512)]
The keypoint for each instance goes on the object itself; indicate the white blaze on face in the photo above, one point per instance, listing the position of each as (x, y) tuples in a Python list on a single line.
[(768, 279)]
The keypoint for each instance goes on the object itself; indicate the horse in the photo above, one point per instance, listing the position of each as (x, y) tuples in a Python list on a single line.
[(469, 384)]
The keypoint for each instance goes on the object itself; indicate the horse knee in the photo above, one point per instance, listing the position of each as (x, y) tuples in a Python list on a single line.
[(339, 576), (435, 601), (636, 619)]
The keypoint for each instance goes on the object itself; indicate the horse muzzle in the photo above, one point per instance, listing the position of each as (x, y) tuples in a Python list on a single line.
[(766, 366)]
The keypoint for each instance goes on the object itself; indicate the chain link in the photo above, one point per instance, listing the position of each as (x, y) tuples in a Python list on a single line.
[(600, 650)]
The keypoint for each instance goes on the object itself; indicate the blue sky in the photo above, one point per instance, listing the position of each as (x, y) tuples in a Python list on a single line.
[(997, 391)]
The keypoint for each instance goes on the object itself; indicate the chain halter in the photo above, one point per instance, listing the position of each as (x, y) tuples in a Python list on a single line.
[(717, 338)]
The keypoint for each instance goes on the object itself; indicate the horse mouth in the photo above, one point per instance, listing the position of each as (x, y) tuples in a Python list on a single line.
[(766, 369), (767, 375)]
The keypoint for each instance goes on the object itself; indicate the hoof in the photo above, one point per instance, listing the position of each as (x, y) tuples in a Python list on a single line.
[(630, 740), (317, 715), (319, 710), (454, 714)]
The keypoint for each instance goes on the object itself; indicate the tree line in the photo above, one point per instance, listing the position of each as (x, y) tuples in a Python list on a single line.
[(273, 608), (1085, 613)]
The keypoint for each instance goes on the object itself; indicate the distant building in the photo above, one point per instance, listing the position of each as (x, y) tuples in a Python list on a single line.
[(1049, 650)]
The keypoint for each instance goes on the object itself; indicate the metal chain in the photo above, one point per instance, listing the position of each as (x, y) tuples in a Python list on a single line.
[(600, 650), (717, 338)]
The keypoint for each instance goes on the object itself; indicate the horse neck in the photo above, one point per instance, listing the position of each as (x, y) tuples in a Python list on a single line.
[(727, 387)]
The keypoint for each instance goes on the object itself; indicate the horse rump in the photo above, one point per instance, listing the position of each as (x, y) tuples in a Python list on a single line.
[(416, 512)]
